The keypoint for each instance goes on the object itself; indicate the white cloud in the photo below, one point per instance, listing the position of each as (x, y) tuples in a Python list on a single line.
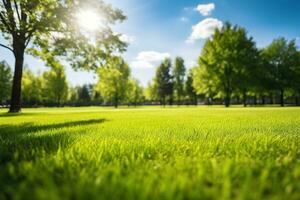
[(205, 9), (148, 59), (152, 56), (127, 39), (204, 29), (138, 64)]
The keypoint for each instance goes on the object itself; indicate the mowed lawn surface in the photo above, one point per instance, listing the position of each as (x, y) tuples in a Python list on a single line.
[(150, 153)]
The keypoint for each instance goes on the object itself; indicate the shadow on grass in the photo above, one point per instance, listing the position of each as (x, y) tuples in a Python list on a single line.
[(6, 114), (26, 142), (8, 130)]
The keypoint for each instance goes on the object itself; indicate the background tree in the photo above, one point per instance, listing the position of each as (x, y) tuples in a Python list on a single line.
[(281, 58), (203, 83), (296, 79), (32, 88), (84, 94), (179, 75), (135, 92), (246, 65), (55, 86), (113, 81), (151, 92), (225, 57), (5, 82), (51, 27), (190, 89), (164, 81)]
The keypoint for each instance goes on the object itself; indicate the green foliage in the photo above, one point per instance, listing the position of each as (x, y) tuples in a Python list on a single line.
[(150, 153), (31, 88), (84, 95), (189, 87), (204, 83), (5, 82), (51, 28), (114, 81), (164, 81), (228, 58), (179, 76), (151, 92), (296, 79), (135, 92), (55, 86), (281, 59)]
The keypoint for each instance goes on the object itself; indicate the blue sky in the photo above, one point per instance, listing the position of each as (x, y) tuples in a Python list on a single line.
[(163, 28)]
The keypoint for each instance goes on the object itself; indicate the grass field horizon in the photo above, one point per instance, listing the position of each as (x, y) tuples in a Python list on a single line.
[(150, 153)]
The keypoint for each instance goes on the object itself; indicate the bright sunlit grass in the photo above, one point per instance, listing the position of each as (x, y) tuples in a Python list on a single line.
[(151, 153)]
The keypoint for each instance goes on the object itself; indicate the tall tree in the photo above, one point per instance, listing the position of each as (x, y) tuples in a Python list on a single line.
[(204, 83), (246, 65), (55, 86), (135, 92), (32, 88), (51, 27), (151, 92), (226, 56), (190, 89), (179, 75), (296, 80), (84, 94), (164, 81), (5, 82), (281, 57), (114, 80)]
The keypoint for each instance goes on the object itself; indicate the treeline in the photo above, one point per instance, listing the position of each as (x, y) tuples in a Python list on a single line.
[(115, 87), (48, 89), (230, 70)]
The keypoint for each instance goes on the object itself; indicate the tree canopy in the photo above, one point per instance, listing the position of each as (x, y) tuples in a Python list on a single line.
[(114, 80), (179, 76), (49, 29), (228, 58), (5, 82), (282, 61), (164, 81)]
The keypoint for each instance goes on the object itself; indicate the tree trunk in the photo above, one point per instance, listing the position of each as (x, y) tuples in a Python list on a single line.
[(245, 99), (196, 100), (116, 103), (15, 106), (298, 99), (271, 99), (282, 98), (208, 101), (263, 100), (255, 100), (171, 100), (227, 99), (58, 101)]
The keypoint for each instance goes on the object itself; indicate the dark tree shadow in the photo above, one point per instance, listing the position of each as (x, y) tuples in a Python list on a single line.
[(18, 139), (30, 128), (17, 114)]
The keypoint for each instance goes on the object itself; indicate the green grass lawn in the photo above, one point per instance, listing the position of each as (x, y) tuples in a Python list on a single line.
[(150, 153)]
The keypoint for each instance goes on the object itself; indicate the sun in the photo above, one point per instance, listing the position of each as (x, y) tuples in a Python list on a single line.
[(89, 20)]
